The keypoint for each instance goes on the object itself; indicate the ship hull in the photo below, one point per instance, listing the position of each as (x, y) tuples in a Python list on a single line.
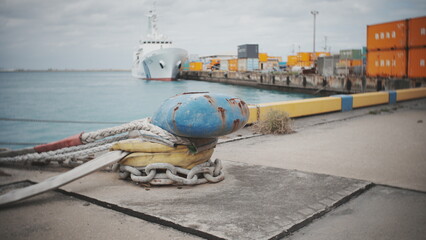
[(160, 65)]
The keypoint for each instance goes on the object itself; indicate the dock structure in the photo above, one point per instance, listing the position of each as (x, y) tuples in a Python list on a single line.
[(305, 83)]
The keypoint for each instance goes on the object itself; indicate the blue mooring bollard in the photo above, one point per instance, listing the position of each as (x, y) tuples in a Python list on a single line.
[(201, 115)]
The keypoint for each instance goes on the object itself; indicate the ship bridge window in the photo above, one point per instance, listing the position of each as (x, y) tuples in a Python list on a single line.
[(158, 42)]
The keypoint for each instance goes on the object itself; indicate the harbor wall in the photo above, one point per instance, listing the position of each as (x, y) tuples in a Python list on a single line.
[(335, 103), (305, 83)]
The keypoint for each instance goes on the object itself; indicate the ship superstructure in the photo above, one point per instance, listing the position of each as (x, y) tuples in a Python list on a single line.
[(156, 58)]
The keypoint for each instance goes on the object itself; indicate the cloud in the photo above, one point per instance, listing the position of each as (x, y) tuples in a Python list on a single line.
[(103, 34)]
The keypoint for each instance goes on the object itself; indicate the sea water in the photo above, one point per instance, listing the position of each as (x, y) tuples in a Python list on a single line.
[(41, 107)]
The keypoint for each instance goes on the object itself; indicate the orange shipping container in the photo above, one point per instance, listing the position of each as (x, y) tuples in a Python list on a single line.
[(416, 63), (385, 36), (263, 57), (349, 62), (356, 62), (233, 64), (417, 32), (387, 63), (195, 66)]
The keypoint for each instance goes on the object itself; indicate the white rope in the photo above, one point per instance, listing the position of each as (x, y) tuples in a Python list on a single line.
[(142, 124), (47, 156), (91, 145)]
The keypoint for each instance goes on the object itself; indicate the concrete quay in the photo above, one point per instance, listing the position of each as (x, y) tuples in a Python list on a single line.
[(304, 83), (352, 175)]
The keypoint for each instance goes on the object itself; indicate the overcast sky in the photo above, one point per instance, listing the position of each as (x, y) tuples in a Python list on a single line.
[(95, 34)]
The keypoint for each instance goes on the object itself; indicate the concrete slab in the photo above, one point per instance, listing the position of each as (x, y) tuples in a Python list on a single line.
[(57, 216), (380, 213), (378, 144), (253, 202)]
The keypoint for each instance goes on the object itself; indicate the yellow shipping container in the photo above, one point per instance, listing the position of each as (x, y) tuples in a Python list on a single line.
[(305, 64), (233, 65), (214, 61), (304, 56), (195, 66), (271, 58), (291, 60), (263, 57)]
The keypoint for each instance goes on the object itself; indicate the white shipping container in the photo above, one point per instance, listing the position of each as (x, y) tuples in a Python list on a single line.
[(224, 65), (252, 64), (248, 64), (242, 64)]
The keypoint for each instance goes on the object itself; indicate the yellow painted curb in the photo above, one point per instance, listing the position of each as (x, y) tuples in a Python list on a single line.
[(407, 94), (369, 99), (303, 107)]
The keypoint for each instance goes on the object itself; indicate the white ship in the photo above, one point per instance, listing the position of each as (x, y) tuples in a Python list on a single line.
[(156, 58)]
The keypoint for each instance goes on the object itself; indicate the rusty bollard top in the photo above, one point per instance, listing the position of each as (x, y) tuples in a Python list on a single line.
[(201, 115)]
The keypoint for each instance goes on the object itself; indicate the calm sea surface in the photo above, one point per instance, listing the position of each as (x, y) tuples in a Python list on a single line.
[(94, 97)]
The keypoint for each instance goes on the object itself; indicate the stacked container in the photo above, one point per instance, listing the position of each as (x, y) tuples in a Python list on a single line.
[(263, 57), (248, 64), (327, 65), (196, 66), (233, 65), (304, 59), (248, 57), (185, 66), (397, 49), (417, 47), (248, 51), (291, 61), (224, 65)]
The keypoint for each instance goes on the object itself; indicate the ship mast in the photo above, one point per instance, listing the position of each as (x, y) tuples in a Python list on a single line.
[(152, 25)]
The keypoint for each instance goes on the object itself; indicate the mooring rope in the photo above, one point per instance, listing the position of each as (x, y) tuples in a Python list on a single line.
[(56, 121), (97, 141), (142, 124)]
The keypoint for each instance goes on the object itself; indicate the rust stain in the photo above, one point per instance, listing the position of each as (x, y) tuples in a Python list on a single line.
[(235, 125), (174, 115), (240, 104), (186, 93), (232, 101), (222, 115), (176, 108), (210, 99)]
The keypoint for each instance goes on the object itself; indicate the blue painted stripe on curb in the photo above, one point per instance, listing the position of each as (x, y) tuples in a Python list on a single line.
[(392, 97), (347, 102)]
